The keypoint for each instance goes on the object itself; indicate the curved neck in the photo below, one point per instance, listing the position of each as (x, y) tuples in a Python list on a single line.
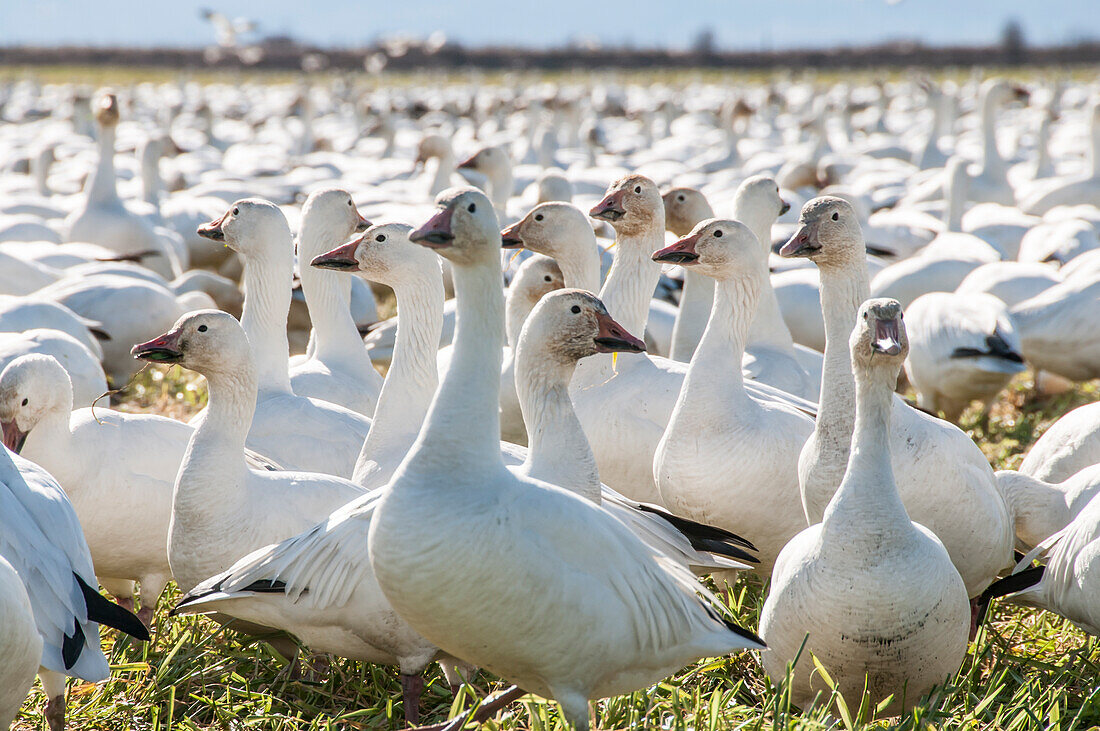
[(715, 371), (557, 449), (267, 285), (101, 186), (231, 404), (443, 171), (691, 319), (843, 290), (413, 375), (868, 495), (633, 277), (462, 432), (581, 269)]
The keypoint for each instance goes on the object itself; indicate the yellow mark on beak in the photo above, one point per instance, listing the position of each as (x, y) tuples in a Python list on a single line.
[(615, 362)]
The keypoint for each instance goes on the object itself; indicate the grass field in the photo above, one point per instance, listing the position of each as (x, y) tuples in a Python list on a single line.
[(1027, 670)]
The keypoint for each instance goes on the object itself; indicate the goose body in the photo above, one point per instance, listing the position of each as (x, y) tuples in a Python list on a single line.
[(1056, 329), (905, 630), (1040, 507), (1070, 445), (20, 644), (85, 373)]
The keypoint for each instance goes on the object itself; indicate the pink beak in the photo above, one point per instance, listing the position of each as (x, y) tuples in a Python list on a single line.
[(681, 252), (163, 349), (13, 438), (610, 208), (510, 238), (613, 337), (213, 229), (801, 244), (363, 224), (436, 233), (342, 258)]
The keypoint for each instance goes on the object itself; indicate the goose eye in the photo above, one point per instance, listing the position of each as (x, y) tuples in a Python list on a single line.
[(236, 211), (471, 208), (864, 315), (24, 402), (836, 216), (202, 328), (548, 278), (380, 238), (637, 189), (538, 217), (349, 204), (718, 234), (575, 309), (680, 198)]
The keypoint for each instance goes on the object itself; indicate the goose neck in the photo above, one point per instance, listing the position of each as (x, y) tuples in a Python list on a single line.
[(716, 365), (462, 430), (633, 277), (413, 376), (102, 186), (41, 166), (231, 405), (956, 199), (517, 307), (843, 290), (445, 167), (267, 284), (151, 184), (582, 270), (557, 449), (868, 492), (51, 435), (1038, 508), (328, 299), (991, 156), (1094, 146), (696, 302)]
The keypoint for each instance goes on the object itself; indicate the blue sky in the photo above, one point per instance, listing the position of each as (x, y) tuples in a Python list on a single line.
[(737, 24)]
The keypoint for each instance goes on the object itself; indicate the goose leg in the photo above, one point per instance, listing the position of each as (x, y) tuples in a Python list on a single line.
[(411, 688), (53, 684), (484, 712)]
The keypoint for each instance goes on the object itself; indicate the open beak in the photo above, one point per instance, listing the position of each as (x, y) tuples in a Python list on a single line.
[(613, 337), (784, 206), (213, 229), (804, 243), (682, 252), (610, 208), (510, 238), (13, 438), (469, 163), (163, 349), (341, 259), (362, 224), (436, 233), (886, 340)]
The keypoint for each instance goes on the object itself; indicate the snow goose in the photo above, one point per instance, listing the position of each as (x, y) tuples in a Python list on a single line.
[(1070, 445), (684, 208), (85, 374), (102, 218), (963, 348), (494, 164), (18, 314), (727, 459), (437, 147), (41, 538), (1067, 584), (1041, 507), (221, 508), (384, 254), (1074, 190), (338, 369), (942, 476), (565, 327), (598, 636), (124, 504), (1057, 331), (1012, 282), (20, 644), (1059, 241), (905, 630), (298, 433)]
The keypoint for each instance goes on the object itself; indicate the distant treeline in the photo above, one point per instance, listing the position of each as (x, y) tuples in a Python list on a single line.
[(286, 54)]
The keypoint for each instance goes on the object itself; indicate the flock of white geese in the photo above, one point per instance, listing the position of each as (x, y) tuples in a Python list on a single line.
[(683, 363)]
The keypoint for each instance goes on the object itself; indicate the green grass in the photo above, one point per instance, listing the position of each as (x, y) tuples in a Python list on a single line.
[(1027, 669)]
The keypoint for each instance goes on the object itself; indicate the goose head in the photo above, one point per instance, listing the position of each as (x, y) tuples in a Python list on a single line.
[(549, 229), (328, 215), (716, 247), (554, 186), (383, 254), (464, 229), (248, 226), (684, 208), (828, 234), (571, 324), (879, 337), (105, 108), (495, 165), (632, 206), (432, 146), (999, 92), (31, 387), (536, 277), (205, 341), (757, 203)]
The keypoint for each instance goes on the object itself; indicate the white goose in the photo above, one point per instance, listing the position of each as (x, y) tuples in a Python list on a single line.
[(727, 459), (684, 208), (41, 538), (1068, 191), (1057, 331), (125, 503), (338, 369), (1044, 507), (963, 348), (298, 433), (942, 476), (20, 644), (630, 621), (1070, 445), (85, 374), (221, 508), (905, 630)]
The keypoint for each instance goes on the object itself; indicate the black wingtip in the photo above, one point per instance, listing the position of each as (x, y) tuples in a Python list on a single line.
[(72, 645), (1008, 585), (109, 614), (693, 530)]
